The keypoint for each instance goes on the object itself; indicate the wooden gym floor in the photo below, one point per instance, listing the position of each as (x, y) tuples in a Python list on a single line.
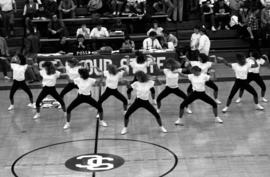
[(238, 148)]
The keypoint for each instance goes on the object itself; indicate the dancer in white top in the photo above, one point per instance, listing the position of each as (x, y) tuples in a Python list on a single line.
[(198, 80), (19, 67), (72, 68), (49, 76), (206, 66), (142, 87), (141, 63), (113, 75), (241, 69), (254, 74), (172, 76), (85, 85)]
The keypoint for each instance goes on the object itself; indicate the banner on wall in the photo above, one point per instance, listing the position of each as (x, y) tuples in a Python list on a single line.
[(102, 61)]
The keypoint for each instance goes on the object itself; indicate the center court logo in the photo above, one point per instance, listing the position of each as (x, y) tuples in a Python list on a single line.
[(94, 162)]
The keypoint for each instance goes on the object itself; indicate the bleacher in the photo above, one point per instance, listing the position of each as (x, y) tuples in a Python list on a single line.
[(225, 42)]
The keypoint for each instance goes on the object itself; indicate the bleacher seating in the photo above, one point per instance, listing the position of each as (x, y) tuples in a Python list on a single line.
[(222, 41)]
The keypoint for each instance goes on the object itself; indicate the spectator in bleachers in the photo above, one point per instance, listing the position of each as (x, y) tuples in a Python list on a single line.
[(81, 3), (136, 7), (128, 43), (118, 6), (194, 43), (119, 26), (265, 20), (7, 9), (30, 11), (80, 47), (56, 27), (50, 8), (66, 9), (4, 53), (222, 14), (99, 31), (207, 13), (165, 6), (151, 42), (253, 26), (178, 10), (95, 6), (63, 46), (83, 31), (235, 6), (156, 28), (30, 50), (169, 41), (204, 42)]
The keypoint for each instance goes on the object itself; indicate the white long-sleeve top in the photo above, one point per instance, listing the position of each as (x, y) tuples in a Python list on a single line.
[(204, 44)]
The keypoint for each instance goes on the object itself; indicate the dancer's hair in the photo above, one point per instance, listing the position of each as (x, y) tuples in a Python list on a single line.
[(73, 61), (22, 59), (172, 64), (141, 76), (195, 69), (240, 59), (84, 73), (49, 67), (112, 69), (203, 57)]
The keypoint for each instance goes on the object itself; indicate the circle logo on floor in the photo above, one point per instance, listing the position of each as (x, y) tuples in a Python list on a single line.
[(94, 162)]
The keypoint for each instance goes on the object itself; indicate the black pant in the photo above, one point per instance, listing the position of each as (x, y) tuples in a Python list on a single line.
[(210, 84), (15, 86), (129, 90), (242, 84), (108, 92), (70, 86), (198, 95), (138, 103), (4, 65), (49, 91), (168, 91), (84, 99), (258, 79)]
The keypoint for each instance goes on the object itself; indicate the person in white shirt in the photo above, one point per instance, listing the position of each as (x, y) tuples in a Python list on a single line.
[(99, 32), (7, 9), (83, 31), (254, 74), (241, 69), (172, 76), (85, 85), (49, 76), (204, 42), (198, 80), (141, 63), (156, 28), (206, 66), (194, 43), (142, 87), (72, 69), (113, 75), (19, 67), (151, 42)]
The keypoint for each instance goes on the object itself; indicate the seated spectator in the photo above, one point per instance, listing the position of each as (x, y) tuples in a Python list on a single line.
[(136, 7), (80, 46), (4, 53), (235, 6), (239, 27), (169, 8), (119, 26), (156, 28), (81, 3), (151, 42), (63, 46), (95, 6), (7, 9), (50, 8), (222, 14), (66, 9), (83, 31), (118, 7), (99, 31), (169, 40), (30, 11), (56, 27), (128, 43), (207, 13), (194, 43), (265, 20)]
